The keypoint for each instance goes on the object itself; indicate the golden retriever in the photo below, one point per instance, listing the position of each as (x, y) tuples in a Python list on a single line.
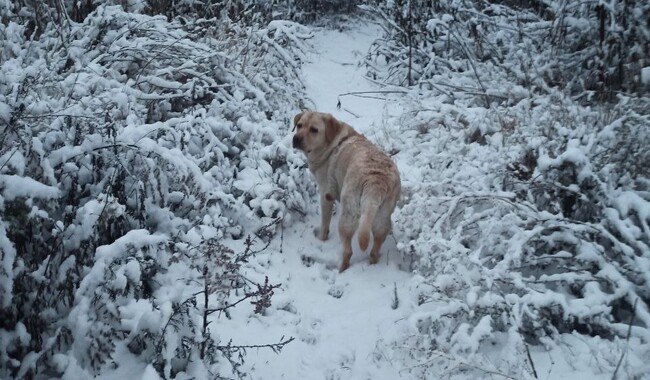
[(350, 169)]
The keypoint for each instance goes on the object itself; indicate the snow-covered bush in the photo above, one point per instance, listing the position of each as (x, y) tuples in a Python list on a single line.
[(537, 232), (251, 11), (593, 47), (126, 140), (530, 224)]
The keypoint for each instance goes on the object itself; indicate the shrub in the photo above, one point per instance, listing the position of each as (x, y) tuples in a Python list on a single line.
[(126, 140)]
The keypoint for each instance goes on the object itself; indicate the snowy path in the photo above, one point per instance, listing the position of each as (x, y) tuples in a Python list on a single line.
[(340, 321), (334, 71)]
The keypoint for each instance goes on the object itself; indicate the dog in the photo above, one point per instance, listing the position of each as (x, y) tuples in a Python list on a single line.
[(352, 170)]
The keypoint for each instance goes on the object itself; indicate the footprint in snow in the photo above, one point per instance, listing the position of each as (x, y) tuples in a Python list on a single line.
[(335, 291), (307, 261), (342, 368), (309, 333)]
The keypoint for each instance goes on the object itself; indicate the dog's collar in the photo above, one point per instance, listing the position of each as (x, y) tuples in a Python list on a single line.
[(341, 141), (332, 151)]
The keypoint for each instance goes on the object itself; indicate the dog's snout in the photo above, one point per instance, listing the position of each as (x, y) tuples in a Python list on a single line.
[(297, 142)]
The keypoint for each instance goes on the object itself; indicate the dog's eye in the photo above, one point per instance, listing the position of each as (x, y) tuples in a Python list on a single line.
[(299, 125), (313, 130)]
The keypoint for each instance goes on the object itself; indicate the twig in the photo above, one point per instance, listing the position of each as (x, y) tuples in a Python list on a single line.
[(530, 360), (54, 115), (486, 371), (461, 365), (273, 346), (471, 63), (374, 92), (362, 94), (627, 339), (281, 237), (8, 159), (260, 235), (387, 19), (154, 57), (350, 112), (228, 306)]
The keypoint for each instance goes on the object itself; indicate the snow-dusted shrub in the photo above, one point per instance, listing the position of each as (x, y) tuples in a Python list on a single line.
[(530, 222), (251, 11), (590, 46), (126, 140), (537, 231), (310, 11)]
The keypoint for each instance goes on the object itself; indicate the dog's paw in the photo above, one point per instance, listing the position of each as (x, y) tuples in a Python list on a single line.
[(321, 234), (343, 267)]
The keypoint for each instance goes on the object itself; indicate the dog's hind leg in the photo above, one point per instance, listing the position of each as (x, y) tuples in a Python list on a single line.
[(379, 237), (347, 226), (346, 239), (380, 228), (326, 206)]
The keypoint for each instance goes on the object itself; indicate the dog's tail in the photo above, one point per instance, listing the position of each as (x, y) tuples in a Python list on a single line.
[(370, 203)]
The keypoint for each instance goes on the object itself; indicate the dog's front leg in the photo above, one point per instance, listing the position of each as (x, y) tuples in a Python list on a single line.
[(326, 205)]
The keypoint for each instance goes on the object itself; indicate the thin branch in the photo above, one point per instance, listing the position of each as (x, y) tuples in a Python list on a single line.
[(8, 159), (55, 115), (230, 305), (627, 339), (530, 360), (374, 92), (274, 346), (154, 57)]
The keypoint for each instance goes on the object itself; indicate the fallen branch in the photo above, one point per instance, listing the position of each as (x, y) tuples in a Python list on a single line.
[(362, 94), (356, 93)]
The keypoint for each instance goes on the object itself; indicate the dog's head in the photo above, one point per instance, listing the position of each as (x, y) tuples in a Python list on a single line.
[(315, 131)]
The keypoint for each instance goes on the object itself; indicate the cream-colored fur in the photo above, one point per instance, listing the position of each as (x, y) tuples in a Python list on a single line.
[(350, 169)]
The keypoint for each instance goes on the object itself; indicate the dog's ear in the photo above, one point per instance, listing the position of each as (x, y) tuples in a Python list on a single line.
[(296, 119), (332, 128)]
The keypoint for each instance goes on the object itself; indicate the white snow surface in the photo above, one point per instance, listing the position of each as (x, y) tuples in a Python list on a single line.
[(645, 75)]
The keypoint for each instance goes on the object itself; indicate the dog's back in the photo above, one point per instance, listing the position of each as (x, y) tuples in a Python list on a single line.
[(370, 189)]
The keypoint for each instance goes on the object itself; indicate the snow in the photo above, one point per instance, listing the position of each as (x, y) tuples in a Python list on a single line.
[(14, 186), (645, 75), (631, 202), (6, 267), (150, 374), (461, 314), (5, 112), (337, 320), (335, 71)]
